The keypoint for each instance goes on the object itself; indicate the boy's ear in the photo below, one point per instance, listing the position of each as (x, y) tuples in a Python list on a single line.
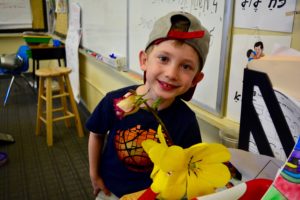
[(198, 77), (143, 60)]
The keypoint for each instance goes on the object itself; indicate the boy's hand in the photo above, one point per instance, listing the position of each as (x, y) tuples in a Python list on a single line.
[(98, 185)]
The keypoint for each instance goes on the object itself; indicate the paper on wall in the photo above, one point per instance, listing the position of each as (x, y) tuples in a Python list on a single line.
[(72, 46), (291, 111), (241, 43), (264, 15)]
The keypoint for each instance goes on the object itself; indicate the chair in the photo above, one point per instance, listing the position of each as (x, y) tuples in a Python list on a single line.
[(250, 122), (14, 64), (46, 96)]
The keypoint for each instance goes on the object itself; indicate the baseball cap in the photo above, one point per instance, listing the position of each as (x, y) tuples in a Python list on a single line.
[(179, 25)]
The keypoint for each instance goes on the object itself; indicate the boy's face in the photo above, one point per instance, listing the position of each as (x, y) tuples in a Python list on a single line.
[(172, 69), (258, 51)]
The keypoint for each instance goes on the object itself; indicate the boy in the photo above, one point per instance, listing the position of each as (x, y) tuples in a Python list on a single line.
[(172, 64), (259, 48), (251, 54)]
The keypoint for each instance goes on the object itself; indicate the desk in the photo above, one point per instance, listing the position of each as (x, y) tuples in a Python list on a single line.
[(253, 166), (46, 52)]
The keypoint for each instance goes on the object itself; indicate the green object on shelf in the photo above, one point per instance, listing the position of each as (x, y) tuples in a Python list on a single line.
[(36, 39)]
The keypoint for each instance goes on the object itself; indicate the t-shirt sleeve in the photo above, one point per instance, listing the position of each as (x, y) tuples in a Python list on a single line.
[(102, 117)]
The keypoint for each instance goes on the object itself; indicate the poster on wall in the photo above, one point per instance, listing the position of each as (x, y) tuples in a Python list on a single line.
[(291, 110), (72, 47), (265, 14), (61, 6), (240, 56)]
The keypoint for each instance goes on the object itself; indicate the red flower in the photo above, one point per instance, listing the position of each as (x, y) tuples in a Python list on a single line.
[(128, 104)]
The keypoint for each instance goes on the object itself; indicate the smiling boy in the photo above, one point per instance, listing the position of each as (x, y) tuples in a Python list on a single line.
[(172, 63), (169, 71)]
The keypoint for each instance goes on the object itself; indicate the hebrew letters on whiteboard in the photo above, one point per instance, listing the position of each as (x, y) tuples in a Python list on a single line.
[(264, 14)]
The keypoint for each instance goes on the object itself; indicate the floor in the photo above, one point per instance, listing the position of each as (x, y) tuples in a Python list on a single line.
[(34, 170)]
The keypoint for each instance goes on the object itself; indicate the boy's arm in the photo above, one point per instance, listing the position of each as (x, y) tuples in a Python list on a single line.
[(94, 151)]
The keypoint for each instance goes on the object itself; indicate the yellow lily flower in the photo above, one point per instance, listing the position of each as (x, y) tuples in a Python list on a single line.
[(192, 172)]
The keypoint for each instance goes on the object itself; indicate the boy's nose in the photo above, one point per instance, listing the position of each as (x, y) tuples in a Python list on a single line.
[(172, 72)]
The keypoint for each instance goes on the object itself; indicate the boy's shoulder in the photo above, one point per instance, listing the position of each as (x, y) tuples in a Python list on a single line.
[(180, 106)]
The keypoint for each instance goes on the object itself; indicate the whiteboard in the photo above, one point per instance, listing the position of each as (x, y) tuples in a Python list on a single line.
[(215, 15), (15, 14), (104, 26)]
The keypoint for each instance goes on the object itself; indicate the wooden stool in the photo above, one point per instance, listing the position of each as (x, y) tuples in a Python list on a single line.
[(65, 90)]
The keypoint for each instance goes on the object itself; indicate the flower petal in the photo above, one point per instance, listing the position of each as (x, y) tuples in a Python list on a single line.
[(154, 171), (148, 144), (198, 187), (160, 181), (216, 174), (127, 104), (209, 153), (161, 135), (173, 159), (166, 158), (173, 191), (173, 186), (157, 154)]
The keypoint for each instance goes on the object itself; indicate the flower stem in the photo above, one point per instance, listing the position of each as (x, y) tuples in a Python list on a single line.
[(159, 120)]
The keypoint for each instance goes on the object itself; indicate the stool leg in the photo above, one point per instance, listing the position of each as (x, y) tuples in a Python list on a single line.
[(74, 107), (8, 89), (64, 100), (49, 112), (39, 106)]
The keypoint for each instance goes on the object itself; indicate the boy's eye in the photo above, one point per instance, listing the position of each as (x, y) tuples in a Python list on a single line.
[(187, 67), (163, 58)]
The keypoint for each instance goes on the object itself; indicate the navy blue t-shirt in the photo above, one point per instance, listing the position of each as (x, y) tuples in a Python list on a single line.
[(125, 167)]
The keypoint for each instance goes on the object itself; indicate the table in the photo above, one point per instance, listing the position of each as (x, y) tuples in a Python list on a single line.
[(253, 166), (46, 52)]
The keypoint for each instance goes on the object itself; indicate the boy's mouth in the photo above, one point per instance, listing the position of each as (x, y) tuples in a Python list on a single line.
[(166, 86)]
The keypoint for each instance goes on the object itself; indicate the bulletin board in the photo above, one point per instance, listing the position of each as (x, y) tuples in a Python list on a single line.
[(61, 25), (214, 15), (25, 15)]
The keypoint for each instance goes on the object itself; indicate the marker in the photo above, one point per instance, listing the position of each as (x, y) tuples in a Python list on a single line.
[(112, 56)]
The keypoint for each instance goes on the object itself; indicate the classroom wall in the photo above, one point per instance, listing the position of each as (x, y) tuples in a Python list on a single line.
[(97, 78)]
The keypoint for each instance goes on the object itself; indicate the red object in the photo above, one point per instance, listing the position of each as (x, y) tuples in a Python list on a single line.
[(288, 189), (148, 195), (256, 189), (185, 35)]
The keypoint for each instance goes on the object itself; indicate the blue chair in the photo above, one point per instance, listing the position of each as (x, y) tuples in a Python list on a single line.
[(14, 64)]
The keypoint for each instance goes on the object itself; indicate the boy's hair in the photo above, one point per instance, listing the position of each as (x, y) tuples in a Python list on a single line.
[(185, 27), (249, 52), (259, 43)]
